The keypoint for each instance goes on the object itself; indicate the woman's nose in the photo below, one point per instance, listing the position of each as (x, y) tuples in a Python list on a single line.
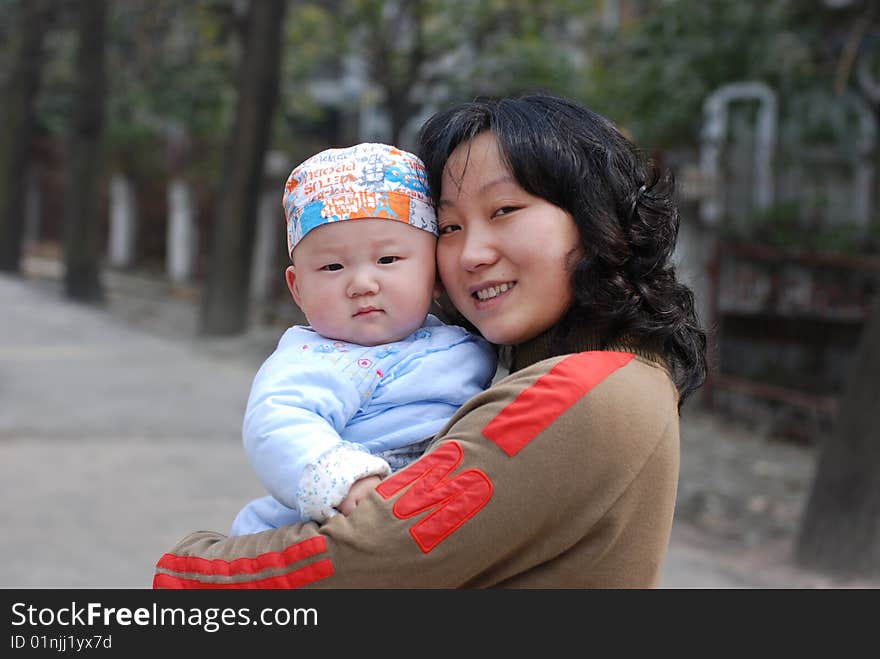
[(478, 249)]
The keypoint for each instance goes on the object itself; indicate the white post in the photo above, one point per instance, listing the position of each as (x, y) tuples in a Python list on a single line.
[(123, 221), (181, 236)]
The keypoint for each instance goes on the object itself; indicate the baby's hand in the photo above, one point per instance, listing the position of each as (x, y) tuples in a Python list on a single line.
[(358, 491)]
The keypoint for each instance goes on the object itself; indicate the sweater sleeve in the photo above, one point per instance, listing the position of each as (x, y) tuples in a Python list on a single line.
[(550, 478), (295, 413)]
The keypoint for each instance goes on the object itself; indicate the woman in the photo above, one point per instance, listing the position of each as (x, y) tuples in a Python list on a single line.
[(555, 241)]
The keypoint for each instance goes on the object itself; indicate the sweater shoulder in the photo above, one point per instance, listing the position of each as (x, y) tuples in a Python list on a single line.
[(585, 370), (601, 388)]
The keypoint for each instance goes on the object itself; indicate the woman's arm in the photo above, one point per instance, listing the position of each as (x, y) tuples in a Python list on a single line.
[(561, 475)]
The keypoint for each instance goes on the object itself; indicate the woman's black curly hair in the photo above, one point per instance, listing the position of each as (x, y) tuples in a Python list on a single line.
[(624, 285)]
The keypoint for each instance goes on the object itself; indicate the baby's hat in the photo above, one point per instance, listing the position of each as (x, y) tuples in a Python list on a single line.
[(365, 181)]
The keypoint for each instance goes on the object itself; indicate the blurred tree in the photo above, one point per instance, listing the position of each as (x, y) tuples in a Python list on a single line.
[(175, 72), (82, 244), (395, 46), (18, 119), (170, 107), (840, 528), (654, 73), (416, 54), (312, 53), (526, 44), (225, 296), (421, 53)]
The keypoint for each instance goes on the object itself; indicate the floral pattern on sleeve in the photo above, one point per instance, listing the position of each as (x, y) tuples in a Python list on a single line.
[(325, 483)]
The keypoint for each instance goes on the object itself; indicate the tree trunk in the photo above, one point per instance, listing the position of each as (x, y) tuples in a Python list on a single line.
[(400, 111), (840, 528), (225, 299), (83, 195), (17, 117), (396, 64)]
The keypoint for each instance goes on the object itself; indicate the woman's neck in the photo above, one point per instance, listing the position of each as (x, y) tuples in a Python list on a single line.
[(543, 347)]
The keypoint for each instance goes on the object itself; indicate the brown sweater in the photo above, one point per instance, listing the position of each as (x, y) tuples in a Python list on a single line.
[(562, 475)]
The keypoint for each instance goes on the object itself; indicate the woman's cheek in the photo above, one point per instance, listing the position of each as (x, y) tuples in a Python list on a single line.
[(445, 267)]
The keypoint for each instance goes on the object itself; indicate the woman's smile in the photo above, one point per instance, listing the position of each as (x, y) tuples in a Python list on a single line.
[(489, 291)]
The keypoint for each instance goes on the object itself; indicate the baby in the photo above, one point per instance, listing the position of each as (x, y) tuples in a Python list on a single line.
[(361, 391)]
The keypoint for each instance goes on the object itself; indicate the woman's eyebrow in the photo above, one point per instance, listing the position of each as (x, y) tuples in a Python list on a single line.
[(501, 180)]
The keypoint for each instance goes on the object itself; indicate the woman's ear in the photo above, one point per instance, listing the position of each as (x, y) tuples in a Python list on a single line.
[(438, 289), (290, 278)]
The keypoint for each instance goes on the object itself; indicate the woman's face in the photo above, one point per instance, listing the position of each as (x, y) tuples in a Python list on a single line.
[(504, 255)]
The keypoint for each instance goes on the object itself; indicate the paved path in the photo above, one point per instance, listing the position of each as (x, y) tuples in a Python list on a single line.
[(114, 443)]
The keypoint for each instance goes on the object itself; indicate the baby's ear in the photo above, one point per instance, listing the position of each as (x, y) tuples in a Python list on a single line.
[(290, 278)]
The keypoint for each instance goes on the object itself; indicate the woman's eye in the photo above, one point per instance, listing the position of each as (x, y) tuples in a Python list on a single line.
[(505, 210), (449, 228), (332, 266), (386, 260)]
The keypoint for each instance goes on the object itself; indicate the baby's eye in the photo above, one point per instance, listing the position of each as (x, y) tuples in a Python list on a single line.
[(387, 260), (332, 267), (449, 228)]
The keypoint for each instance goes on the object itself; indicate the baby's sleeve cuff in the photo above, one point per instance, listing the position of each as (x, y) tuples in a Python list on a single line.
[(325, 483)]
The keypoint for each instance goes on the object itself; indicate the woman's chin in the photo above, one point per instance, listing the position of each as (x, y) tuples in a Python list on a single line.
[(498, 334)]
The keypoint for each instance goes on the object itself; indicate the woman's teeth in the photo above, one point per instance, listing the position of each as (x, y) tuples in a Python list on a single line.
[(493, 291)]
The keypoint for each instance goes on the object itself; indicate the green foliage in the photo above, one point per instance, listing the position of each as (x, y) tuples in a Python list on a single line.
[(526, 45), (313, 51), (539, 50), (170, 63), (173, 64), (477, 47), (655, 74), (176, 64), (55, 101)]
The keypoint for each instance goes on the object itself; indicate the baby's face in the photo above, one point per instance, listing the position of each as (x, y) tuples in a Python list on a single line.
[(364, 281)]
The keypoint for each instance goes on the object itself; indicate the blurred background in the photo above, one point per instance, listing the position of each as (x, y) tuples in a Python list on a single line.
[(145, 145)]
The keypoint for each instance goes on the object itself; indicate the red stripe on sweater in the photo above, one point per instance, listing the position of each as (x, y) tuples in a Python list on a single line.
[(552, 394), (272, 559), (295, 579)]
